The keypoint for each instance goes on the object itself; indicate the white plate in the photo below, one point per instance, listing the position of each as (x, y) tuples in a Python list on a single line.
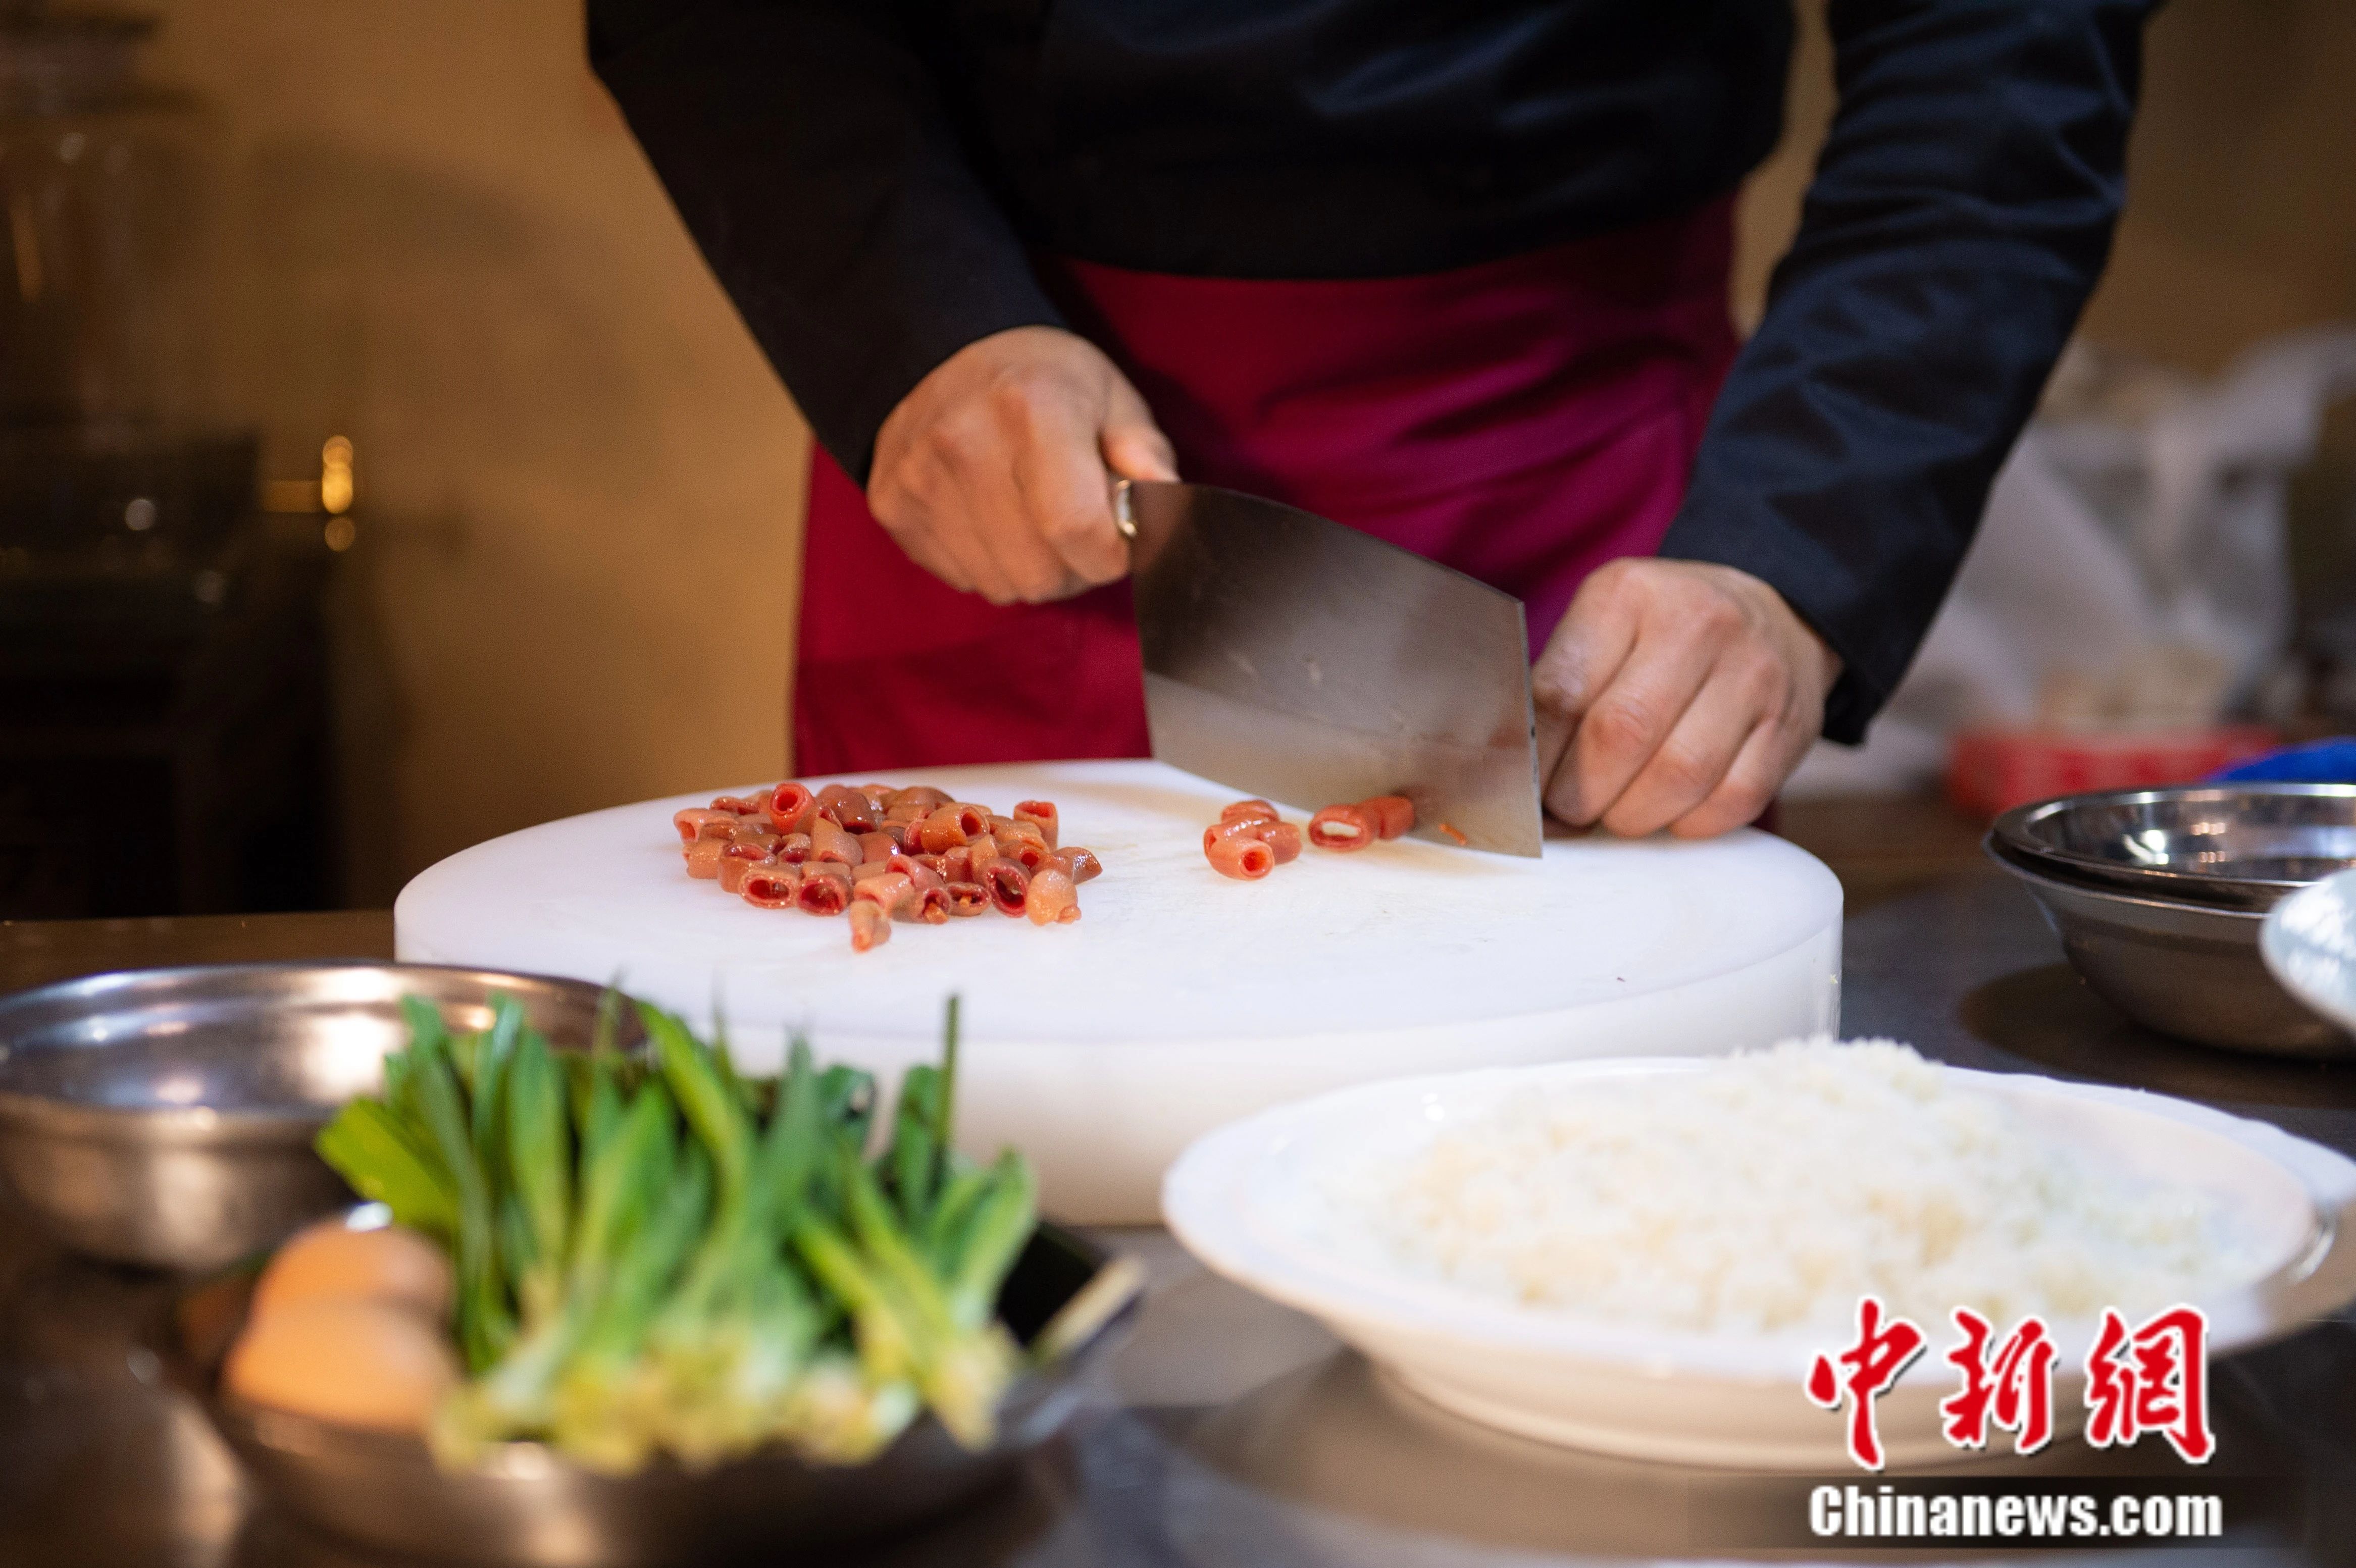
[(1247, 1200), (2308, 939)]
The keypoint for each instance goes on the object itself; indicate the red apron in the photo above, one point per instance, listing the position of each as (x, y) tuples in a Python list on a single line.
[(1524, 421)]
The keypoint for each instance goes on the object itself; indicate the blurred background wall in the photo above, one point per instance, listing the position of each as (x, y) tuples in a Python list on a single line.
[(574, 575), (574, 571), (2241, 221)]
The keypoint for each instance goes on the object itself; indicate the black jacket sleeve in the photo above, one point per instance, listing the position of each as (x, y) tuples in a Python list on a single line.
[(875, 255), (1960, 215)]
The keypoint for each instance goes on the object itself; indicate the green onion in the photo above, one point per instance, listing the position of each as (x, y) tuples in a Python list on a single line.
[(703, 1091), (483, 1325), (662, 1255), (539, 1150), (913, 1160), (1003, 1222), (373, 1148)]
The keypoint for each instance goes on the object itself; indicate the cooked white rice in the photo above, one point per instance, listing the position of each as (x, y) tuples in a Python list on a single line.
[(1769, 1189)]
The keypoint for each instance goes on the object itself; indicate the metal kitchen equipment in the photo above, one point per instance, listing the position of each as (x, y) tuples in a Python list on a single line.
[(1289, 656), (2185, 969), (159, 641), (1067, 1300), (108, 301), (2238, 846), (165, 1116)]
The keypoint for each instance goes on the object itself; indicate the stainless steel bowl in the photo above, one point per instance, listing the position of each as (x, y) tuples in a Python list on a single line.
[(2231, 845), (2185, 969), (529, 1505), (165, 1116)]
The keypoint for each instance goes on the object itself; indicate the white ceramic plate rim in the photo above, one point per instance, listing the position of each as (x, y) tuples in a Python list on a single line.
[(2315, 972), (1206, 1208)]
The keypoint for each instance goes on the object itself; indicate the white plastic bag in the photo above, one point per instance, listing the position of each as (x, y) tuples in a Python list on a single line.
[(2130, 567)]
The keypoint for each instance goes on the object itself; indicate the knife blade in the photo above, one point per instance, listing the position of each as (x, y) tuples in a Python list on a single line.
[(1289, 656)]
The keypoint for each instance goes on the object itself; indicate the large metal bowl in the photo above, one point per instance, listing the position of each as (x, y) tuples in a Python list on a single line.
[(527, 1505), (165, 1116), (2238, 847), (2185, 969)]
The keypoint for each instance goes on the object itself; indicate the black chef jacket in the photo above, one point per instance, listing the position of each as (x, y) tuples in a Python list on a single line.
[(865, 177)]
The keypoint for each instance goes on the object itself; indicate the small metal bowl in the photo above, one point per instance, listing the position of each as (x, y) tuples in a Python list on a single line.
[(2237, 847), (1066, 1300), (2185, 969), (165, 1116)]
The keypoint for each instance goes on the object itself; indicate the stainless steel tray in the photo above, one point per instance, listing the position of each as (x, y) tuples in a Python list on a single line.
[(1066, 1298), (2230, 846)]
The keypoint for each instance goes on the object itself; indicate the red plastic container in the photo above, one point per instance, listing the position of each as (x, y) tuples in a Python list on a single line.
[(1992, 771)]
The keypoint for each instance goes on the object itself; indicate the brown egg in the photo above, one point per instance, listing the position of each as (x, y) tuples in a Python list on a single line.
[(358, 1363), (329, 1261)]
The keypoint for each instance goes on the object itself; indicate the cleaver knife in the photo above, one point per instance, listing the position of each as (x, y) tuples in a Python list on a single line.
[(1289, 656)]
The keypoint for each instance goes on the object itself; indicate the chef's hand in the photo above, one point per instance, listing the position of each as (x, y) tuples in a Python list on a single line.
[(1675, 694), (995, 471)]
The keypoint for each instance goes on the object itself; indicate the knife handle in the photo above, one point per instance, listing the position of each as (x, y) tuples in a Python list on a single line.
[(1124, 516)]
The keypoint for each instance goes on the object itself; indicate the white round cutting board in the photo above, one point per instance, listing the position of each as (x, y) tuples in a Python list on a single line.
[(1181, 1000)]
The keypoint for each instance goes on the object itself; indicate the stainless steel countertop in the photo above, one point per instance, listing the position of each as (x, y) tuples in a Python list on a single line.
[(1228, 1431)]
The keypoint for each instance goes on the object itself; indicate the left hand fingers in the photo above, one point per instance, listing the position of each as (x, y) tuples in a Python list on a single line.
[(1627, 721), (1767, 757), (1690, 764), (1714, 692), (1580, 660)]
